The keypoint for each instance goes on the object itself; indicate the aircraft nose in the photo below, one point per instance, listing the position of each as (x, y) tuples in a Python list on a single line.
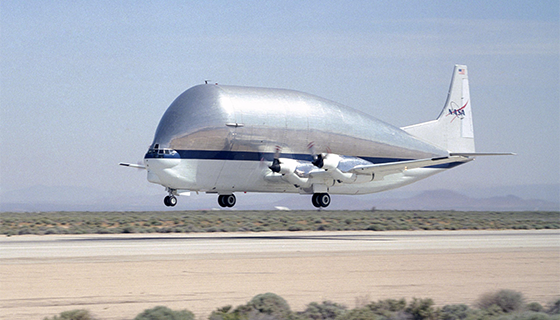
[(161, 164), (162, 171)]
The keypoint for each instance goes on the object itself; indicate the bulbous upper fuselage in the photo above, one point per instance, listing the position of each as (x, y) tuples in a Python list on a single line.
[(244, 123)]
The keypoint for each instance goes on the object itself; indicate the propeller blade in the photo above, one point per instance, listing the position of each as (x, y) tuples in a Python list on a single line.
[(275, 167), (317, 158)]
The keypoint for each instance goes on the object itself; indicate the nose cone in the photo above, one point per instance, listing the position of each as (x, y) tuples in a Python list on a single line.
[(160, 163), (163, 171)]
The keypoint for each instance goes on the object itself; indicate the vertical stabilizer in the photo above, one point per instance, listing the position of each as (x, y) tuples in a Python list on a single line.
[(453, 129)]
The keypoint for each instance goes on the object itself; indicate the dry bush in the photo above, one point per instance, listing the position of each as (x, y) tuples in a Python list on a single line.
[(79, 314), (164, 313), (507, 300)]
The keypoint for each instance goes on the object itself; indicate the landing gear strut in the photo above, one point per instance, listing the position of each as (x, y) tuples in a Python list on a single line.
[(226, 200), (321, 200), (170, 200)]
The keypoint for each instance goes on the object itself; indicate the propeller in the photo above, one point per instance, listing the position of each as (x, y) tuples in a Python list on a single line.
[(275, 167), (317, 158)]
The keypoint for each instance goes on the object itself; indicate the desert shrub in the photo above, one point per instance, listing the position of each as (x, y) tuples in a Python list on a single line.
[(164, 313), (224, 313), (422, 309), (507, 300), (527, 316), (53, 231), (390, 309), (271, 304), (246, 312), (387, 305), (359, 314), (376, 227), (458, 312), (554, 307), (535, 307), (80, 314), (493, 311), (324, 311)]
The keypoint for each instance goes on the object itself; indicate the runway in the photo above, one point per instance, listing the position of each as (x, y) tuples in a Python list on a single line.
[(118, 276)]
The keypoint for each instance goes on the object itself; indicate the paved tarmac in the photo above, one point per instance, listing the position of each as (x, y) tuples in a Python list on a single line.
[(118, 276)]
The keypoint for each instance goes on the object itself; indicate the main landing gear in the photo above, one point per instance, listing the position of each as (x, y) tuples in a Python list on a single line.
[(226, 200), (170, 200), (321, 200)]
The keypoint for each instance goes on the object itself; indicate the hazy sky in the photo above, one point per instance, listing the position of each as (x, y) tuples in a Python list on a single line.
[(84, 83)]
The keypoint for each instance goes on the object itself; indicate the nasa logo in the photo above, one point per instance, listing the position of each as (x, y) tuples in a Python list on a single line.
[(457, 112)]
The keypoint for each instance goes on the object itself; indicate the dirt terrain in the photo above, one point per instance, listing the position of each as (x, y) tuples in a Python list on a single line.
[(200, 275)]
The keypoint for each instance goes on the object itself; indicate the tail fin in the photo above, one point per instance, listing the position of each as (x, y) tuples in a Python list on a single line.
[(453, 129)]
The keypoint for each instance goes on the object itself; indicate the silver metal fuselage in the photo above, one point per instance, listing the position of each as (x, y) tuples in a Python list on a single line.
[(222, 139)]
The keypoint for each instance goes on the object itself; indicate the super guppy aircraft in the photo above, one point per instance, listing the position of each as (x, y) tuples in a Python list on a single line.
[(226, 139)]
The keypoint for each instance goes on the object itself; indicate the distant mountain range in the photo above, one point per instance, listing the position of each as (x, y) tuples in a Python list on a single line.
[(445, 199), (522, 198)]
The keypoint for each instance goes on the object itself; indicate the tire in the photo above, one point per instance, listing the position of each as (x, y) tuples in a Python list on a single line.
[(221, 201), (230, 200), (315, 200), (166, 201), (324, 199), (172, 201)]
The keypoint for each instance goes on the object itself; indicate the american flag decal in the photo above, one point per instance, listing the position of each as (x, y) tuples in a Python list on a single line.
[(461, 71)]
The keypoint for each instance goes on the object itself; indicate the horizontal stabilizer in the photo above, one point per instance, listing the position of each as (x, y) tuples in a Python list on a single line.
[(137, 166), (400, 166), (477, 154)]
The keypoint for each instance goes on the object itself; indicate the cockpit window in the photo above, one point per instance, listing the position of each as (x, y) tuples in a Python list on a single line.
[(156, 152)]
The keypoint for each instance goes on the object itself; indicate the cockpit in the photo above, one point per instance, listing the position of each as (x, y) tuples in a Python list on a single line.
[(156, 152)]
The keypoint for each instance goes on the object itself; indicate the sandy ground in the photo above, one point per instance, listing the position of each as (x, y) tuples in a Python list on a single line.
[(120, 284)]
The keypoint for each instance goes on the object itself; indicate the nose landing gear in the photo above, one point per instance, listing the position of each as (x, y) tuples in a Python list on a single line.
[(170, 201)]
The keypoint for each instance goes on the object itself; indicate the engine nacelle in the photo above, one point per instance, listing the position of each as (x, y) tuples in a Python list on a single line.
[(330, 164), (287, 169), (330, 161)]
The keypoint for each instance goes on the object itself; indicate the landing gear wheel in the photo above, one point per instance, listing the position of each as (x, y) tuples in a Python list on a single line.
[(315, 200), (230, 200), (221, 201), (324, 199), (226, 200), (321, 200), (170, 201)]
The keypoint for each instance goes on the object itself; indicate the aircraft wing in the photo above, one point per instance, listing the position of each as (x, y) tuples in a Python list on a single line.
[(400, 166)]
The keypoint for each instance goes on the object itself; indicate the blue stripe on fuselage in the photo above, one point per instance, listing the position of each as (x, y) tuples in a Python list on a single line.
[(248, 156), (258, 156)]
